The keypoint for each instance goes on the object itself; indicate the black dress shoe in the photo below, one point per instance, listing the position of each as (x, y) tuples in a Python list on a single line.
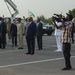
[(20, 48), (39, 49), (27, 53), (16, 45), (3, 48), (67, 68), (12, 45), (32, 53)]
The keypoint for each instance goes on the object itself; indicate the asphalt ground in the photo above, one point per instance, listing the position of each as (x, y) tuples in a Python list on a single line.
[(44, 62)]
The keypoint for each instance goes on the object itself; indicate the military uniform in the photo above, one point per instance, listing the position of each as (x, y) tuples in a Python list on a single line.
[(58, 33), (8, 29), (20, 32)]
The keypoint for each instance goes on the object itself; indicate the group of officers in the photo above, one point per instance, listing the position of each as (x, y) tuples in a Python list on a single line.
[(12, 29), (17, 30)]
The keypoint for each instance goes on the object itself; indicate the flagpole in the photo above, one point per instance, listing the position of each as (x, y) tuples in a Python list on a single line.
[(28, 14)]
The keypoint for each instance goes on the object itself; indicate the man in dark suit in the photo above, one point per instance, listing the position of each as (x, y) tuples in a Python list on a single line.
[(13, 31), (39, 34), (3, 34), (0, 31), (30, 36)]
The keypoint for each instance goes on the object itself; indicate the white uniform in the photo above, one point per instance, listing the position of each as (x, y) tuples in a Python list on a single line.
[(58, 33)]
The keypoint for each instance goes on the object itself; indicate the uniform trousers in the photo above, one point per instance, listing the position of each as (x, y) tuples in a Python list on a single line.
[(59, 44), (20, 39)]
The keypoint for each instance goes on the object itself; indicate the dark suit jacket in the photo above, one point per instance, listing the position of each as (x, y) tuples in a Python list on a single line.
[(31, 30), (3, 28), (0, 28), (13, 29), (3, 33), (39, 29)]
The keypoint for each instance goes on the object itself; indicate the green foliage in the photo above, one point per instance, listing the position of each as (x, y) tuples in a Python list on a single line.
[(72, 12), (47, 21)]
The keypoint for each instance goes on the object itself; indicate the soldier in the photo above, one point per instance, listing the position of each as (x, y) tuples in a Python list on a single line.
[(8, 28), (20, 32), (2, 34), (58, 32)]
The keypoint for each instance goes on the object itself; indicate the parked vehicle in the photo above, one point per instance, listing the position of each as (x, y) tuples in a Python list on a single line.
[(47, 29)]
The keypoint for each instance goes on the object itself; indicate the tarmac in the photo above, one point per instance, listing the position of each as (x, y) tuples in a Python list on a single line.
[(14, 61)]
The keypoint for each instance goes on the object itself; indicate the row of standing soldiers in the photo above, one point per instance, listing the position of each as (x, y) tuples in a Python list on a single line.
[(13, 30), (17, 29)]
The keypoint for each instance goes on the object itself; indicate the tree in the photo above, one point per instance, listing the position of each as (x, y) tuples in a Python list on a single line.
[(47, 21), (72, 12)]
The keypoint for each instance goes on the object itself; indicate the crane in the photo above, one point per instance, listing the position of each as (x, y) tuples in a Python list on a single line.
[(14, 8)]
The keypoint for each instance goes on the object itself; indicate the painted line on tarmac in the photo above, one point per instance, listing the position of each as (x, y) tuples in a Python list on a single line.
[(33, 62)]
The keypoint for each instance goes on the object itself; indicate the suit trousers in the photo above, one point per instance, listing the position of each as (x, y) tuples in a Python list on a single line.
[(14, 39), (39, 42), (3, 40), (20, 38), (0, 41), (66, 53), (31, 45), (59, 44)]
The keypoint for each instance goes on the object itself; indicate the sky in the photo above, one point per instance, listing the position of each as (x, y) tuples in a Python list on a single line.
[(38, 7)]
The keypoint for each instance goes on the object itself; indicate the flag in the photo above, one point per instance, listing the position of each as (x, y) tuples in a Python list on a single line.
[(30, 14)]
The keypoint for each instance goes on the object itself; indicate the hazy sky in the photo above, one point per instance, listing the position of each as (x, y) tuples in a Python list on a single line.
[(39, 7)]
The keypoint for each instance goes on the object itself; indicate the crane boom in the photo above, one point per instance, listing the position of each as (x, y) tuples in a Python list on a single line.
[(14, 7)]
